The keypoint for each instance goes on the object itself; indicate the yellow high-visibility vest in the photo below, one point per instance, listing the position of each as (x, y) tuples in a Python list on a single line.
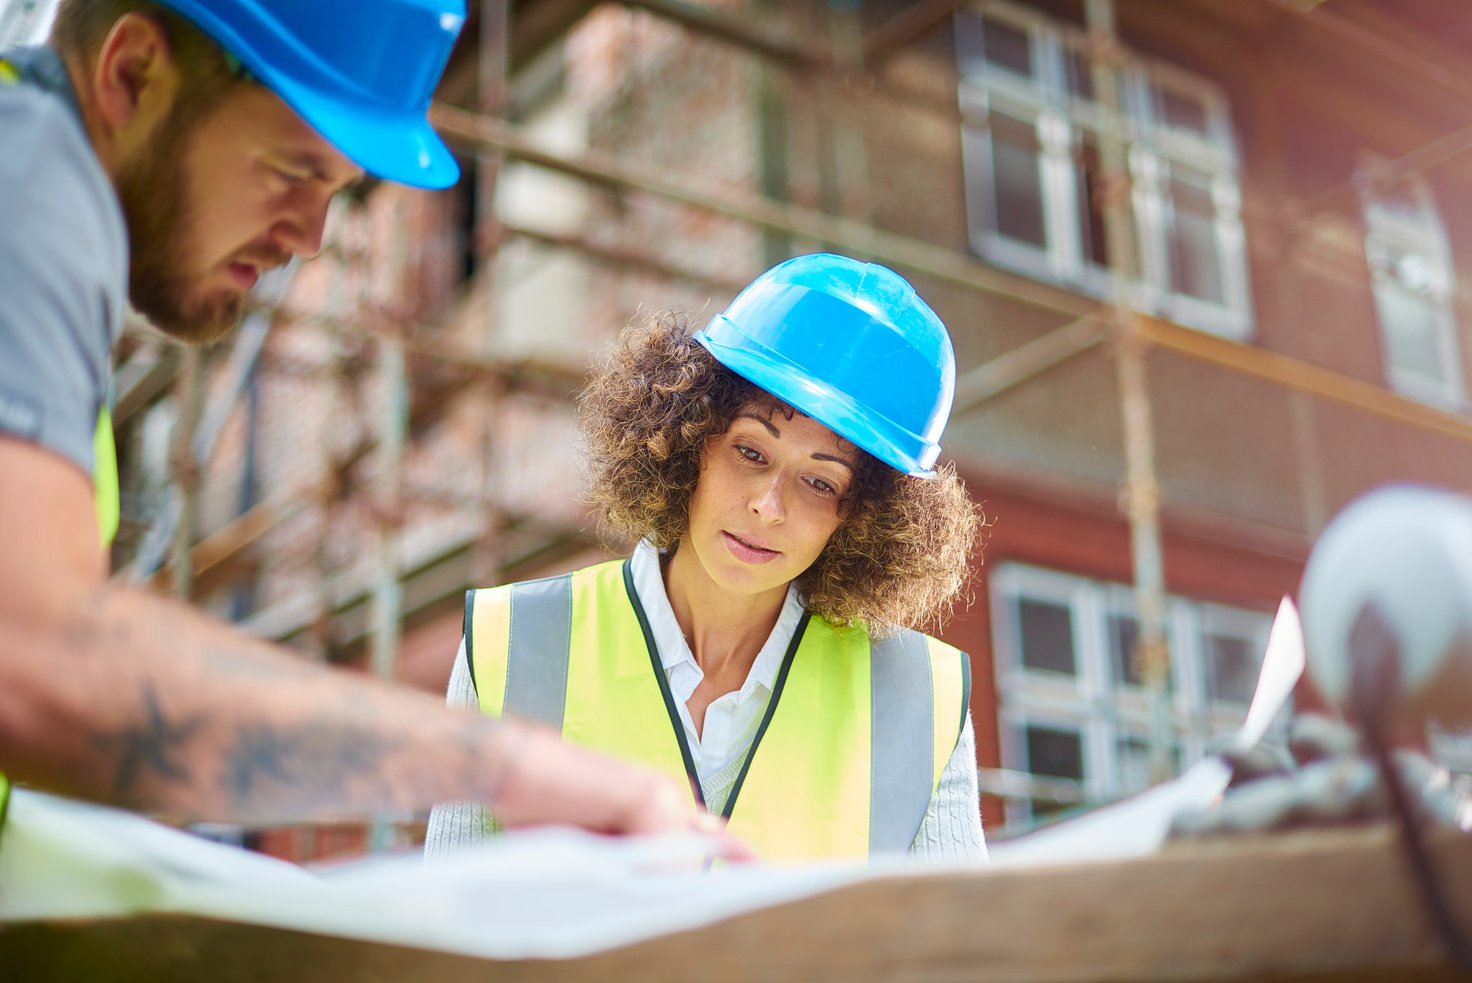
[(847, 757)]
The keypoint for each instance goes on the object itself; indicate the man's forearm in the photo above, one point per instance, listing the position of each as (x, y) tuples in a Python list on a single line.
[(138, 701)]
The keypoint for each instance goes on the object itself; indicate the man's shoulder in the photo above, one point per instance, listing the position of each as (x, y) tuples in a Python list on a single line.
[(63, 275), (36, 120), (47, 150), (60, 219)]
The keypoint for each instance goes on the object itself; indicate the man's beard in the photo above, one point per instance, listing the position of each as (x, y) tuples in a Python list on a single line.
[(160, 226)]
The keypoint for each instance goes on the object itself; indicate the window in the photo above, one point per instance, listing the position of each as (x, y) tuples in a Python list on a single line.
[(1072, 703), (1411, 274), (1031, 136), (1451, 747)]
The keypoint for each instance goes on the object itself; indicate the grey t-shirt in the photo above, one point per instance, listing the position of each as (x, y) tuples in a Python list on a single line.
[(63, 264)]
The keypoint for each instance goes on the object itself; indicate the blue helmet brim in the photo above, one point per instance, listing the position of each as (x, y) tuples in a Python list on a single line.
[(391, 146)]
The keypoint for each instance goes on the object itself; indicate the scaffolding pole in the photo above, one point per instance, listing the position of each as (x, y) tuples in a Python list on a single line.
[(1141, 491), (388, 506), (495, 26), (181, 513), (471, 130), (392, 435), (199, 429)]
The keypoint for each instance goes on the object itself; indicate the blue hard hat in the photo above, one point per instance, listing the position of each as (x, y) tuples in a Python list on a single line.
[(361, 73), (849, 344)]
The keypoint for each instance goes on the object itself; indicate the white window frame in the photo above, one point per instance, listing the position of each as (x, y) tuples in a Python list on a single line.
[(1061, 121), (1090, 701), (1451, 747), (1425, 235)]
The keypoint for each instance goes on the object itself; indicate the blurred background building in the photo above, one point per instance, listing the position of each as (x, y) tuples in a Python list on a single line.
[(1199, 258)]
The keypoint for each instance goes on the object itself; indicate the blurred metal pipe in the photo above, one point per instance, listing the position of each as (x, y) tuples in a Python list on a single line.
[(1140, 491), (1347, 194), (902, 252), (724, 27), (489, 390), (905, 28), (184, 495), (1303, 376), (245, 352), (1029, 359), (1325, 20), (627, 258)]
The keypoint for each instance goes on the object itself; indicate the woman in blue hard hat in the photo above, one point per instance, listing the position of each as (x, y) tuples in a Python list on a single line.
[(778, 471)]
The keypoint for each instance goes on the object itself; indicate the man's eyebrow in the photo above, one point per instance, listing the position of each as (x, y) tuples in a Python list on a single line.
[(320, 167), (359, 186)]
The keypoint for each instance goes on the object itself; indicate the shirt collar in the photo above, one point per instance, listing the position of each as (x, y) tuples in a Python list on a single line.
[(669, 639)]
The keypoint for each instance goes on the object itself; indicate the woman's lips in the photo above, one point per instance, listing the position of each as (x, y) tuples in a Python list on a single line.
[(748, 552)]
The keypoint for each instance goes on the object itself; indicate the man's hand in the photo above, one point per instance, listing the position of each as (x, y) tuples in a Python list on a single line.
[(549, 781)]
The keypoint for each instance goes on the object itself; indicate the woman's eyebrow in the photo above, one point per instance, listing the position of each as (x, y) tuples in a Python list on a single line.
[(771, 427), (836, 460), (817, 456)]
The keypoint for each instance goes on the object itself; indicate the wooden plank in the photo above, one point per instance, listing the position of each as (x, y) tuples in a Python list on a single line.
[(1313, 906)]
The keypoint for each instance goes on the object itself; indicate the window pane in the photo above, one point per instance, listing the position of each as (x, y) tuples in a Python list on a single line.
[(1410, 319), (1124, 631), (1055, 752), (1195, 265), (1006, 47), (1401, 202), (1134, 764), (1180, 111), (1080, 75), (1231, 668), (1047, 637), (1019, 190), (1413, 269), (1089, 173), (1124, 635)]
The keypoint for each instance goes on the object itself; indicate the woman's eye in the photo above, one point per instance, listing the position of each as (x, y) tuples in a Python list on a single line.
[(749, 453), (821, 486)]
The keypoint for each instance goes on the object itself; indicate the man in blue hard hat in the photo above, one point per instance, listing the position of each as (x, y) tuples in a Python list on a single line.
[(169, 153)]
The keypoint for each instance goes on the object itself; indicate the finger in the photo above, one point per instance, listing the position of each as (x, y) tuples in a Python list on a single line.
[(728, 846)]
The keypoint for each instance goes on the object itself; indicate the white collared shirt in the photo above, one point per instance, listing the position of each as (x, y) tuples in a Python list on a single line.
[(731, 720)]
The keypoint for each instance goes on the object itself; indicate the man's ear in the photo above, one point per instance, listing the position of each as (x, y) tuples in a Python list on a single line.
[(133, 79)]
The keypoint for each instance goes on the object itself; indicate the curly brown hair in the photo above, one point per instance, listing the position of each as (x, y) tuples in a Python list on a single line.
[(900, 556)]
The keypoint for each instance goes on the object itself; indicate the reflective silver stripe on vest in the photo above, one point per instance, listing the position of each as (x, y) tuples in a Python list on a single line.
[(902, 762), (541, 638)]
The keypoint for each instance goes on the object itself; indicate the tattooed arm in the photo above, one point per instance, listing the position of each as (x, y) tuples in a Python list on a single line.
[(119, 696)]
